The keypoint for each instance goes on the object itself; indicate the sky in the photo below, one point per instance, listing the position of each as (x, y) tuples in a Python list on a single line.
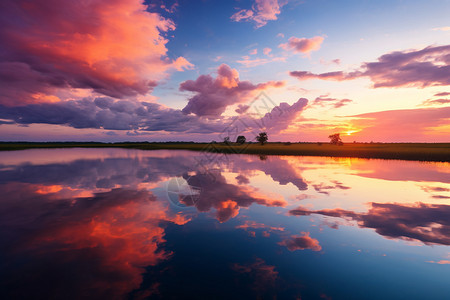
[(128, 70)]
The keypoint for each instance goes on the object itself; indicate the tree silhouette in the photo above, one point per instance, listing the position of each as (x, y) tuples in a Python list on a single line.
[(335, 139), (262, 138), (240, 139), (226, 140)]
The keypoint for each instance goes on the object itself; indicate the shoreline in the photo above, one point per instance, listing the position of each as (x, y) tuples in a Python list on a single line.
[(436, 152)]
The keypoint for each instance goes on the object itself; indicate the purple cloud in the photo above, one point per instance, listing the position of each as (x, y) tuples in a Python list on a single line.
[(110, 114), (428, 223), (213, 95), (261, 12), (335, 103), (420, 68)]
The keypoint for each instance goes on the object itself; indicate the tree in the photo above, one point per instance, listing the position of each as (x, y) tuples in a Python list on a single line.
[(262, 138), (226, 140), (335, 139), (240, 139)]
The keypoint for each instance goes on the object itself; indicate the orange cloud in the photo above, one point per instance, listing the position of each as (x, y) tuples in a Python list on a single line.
[(301, 243), (114, 235), (303, 45), (113, 47)]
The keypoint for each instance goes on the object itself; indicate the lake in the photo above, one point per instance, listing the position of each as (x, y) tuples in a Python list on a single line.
[(118, 223)]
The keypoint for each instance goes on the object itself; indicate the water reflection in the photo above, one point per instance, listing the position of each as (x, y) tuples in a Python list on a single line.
[(106, 223)]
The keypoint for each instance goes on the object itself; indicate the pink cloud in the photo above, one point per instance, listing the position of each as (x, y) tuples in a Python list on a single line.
[(303, 45), (301, 243), (440, 262), (112, 47), (253, 52), (261, 12), (267, 51), (213, 95), (250, 63), (416, 68)]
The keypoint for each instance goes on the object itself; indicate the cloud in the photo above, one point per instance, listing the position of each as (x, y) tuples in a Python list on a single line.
[(303, 45), (250, 63), (267, 51), (416, 68), (253, 52), (445, 28), (428, 223), (440, 262), (336, 61), (326, 101), (242, 108), (241, 179), (115, 48), (261, 12), (213, 95), (107, 113), (323, 188), (226, 198), (439, 101), (253, 225), (263, 276), (301, 243), (115, 235)]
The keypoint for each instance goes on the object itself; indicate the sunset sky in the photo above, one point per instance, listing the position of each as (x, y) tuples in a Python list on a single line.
[(128, 70)]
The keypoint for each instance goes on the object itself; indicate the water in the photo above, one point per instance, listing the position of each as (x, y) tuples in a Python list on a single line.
[(116, 223)]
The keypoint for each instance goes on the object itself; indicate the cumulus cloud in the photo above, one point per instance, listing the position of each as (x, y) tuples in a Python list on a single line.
[(213, 95), (428, 223), (419, 68), (283, 115), (301, 243), (112, 47), (261, 12), (303, 45)]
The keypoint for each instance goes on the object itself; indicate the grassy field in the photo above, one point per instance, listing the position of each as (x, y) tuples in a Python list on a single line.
[(406, 151)]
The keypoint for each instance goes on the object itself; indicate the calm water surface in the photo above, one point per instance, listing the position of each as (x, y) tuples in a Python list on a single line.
[(116, 223)]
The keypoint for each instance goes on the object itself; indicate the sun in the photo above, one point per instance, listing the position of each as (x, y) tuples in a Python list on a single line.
[(350, 132)]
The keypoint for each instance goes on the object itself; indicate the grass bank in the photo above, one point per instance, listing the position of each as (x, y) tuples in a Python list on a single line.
[(405, 151)]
